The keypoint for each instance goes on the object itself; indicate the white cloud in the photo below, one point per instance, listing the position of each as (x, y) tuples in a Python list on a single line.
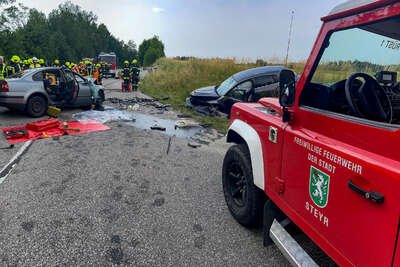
[(157, 9)]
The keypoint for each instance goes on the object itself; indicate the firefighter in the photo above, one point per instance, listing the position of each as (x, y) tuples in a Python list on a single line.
[(135, 71), (100, 72), (25, 64), (41, 62), (103, 69), (126, 76), (97, 74), (89, 68), (82, 68), (75, 68), (35, 63), (3, 68), (14, 66), (56, 63)]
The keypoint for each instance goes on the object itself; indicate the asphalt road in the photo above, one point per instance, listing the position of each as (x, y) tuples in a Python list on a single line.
[(117, 198)]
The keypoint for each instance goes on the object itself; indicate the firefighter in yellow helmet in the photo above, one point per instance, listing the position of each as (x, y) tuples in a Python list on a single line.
[(135, 72), (100, 70), (25, 64), (41, 62), (56, 63), (89, 68), (14, 66), (126, 77)]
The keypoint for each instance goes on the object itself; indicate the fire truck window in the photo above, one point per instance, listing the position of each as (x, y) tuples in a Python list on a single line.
[(372, 51)]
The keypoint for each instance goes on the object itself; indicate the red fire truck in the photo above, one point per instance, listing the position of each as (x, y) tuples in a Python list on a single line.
[(111, 60), (325, 154)]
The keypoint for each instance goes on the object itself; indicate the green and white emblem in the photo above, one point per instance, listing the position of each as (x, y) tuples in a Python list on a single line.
[(319, 187)]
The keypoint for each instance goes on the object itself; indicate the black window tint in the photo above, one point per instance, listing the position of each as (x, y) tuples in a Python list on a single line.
[(240, 91), (38, 76), (265, 80)]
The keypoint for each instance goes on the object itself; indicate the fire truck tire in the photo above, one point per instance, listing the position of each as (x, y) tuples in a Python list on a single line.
[(245, 201)]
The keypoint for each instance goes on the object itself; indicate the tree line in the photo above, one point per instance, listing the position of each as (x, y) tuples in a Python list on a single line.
[(68, 33), (356, 66)]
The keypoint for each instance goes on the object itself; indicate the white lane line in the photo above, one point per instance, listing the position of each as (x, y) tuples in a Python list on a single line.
[(6, 170)]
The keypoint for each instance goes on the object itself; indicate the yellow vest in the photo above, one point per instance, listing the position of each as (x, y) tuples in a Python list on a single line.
[(2, 71)]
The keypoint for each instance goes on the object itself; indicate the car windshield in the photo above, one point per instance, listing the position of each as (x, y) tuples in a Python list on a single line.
[(108, 59), (370, 56), (225, 86)]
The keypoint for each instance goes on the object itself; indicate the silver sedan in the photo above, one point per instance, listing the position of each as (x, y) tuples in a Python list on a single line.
[(34, 90)]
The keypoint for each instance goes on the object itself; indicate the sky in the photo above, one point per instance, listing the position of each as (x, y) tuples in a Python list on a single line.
[(244, 29), (375, 48)]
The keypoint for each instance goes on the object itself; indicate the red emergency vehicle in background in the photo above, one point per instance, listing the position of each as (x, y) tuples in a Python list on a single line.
[(325, 155), (111, 60)]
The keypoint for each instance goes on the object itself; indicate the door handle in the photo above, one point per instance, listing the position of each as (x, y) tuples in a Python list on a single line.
[(370, 195)]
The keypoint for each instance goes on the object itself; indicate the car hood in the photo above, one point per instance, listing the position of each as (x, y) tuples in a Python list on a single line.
[(208, 91)]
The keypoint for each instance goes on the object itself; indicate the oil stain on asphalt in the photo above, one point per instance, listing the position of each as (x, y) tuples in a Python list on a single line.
[(115, 254)]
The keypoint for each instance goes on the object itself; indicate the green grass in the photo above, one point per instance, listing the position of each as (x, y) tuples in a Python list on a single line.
[(176, 79)]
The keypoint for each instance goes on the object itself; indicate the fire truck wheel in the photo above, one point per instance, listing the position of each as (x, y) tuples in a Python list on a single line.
[(244, 199)]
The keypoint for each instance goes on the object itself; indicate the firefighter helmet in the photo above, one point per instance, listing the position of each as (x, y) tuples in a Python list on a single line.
[(134, 61), (15, 59), (56, 61)]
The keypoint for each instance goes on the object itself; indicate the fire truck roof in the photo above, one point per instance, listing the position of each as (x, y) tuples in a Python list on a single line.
[(353, 6)]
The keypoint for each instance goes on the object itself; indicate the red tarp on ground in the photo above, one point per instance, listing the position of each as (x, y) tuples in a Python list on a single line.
[(86, 126)]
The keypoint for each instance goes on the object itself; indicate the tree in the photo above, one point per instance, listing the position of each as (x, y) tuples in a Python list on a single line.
[(155, 44), (151, 56), (13, 16), (131, 46), (67, 33)]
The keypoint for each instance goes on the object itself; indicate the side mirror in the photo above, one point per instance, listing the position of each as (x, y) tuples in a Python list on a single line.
[(287, 88)]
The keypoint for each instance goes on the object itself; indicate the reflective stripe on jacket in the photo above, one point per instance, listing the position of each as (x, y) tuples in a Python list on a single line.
[(2, 70)]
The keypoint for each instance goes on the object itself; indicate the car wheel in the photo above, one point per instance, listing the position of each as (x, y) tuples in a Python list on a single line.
[(36, 106), (244, 199)]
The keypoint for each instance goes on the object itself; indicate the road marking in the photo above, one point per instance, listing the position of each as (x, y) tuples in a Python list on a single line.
[(7, 169)]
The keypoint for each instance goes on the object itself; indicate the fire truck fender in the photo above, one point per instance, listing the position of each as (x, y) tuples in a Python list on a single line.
[(240, 132)]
